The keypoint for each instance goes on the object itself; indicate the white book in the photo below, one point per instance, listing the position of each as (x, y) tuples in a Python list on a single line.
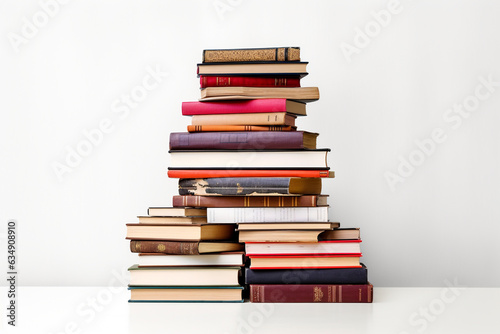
[(267, 215), (227, 259)]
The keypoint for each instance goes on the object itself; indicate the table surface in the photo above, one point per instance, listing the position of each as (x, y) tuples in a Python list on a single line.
[(57, 310)]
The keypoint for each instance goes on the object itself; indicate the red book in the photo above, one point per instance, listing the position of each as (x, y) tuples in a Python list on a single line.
[(311, 293), (217, 81), (243, 107), (204, 173)]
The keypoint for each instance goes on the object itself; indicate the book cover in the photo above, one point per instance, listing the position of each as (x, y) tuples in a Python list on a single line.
[(218, 81), (251, 55), (271, 105), (249, 201)]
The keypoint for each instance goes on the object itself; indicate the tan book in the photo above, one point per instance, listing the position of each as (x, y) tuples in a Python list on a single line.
[(303, 94), (252, 54), (279, 236), (298, 68), (287, 226), (264, 118), (186, 294), (176, 212), (171, 220), (284, 262), (180, 232), (340, 234)]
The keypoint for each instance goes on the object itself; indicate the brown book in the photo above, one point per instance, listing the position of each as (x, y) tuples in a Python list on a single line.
[(311, 293), (176, 212), (286, 226), (249, 201), (262, 118), (171, 220), (217, 128), (340, 234), (279, 236), (251, 55), (182, 247), (303, 94), (177, 232)]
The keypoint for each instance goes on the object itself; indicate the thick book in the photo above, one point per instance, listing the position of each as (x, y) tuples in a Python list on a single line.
[(183, 247), (169, 260), (250, 186), (256, 69), (249, 159), (207, 173), (307, 276), (340, 234), (178, 232), (251, 54), (218, 128), (258, 140), (250, 201), (304, 261), (176, 212), (243, 107), (303, 94), (278, 235), (304, 248), (260, 118), (311, 293), (186, 294), (218, 81), (184, 276), (286, 226), (267, 215), (171, 220)]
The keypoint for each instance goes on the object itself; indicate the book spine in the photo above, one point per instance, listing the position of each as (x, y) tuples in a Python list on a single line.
[(245, 201), (237, 140), (165, 247), (307, 276), (252, 55), (311, 293), (218, 81), (218, 128), (234, 186), (191, 108), (269, 215), (267, 119), (208, 173)]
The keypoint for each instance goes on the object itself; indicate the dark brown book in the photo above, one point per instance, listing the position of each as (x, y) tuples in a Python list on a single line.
[(251, 55), (256, 140), (249, 201), (311, 293), (177, 232), (182, 247)]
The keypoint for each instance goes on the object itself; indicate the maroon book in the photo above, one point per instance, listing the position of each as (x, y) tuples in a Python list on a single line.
[(249, 201), (218, 81), (248, 140), (311, 293)]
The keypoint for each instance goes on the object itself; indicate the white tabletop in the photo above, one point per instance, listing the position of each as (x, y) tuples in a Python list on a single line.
[(394, 310)]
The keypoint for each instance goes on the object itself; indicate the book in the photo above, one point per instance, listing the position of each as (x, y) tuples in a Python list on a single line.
[(243, 107), (280, 81), (278, 235), (249, 201), (218, 128), (303, 94), (251, 55), (257, 69), (249, 159), (304, 261), (186, 294), (340, 234), (168, 260), (257, 140), (183, 247), (250, 186), (176, 212), (178, 232), (207, 173), (286, 226), (304, 248), (183, 276), (260, 118), (267, 215), (171, 220), (311, 293), (307, 276)]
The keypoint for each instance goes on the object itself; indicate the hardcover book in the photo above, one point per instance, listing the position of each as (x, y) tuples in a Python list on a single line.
[(167, 260), (260, 118), (304, 248), (267, 215), (303, 94), (177, 232), (250, 201), (251, 55), (256, 69), (243, 107), (218, 81), (207, 173), (218, 128), (183, 247), (304, 261), (176, 212), (186, 294)]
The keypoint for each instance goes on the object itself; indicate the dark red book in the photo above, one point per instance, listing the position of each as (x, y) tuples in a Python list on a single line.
[(311, 293), (217, 81), (243, 107), (257, 140)]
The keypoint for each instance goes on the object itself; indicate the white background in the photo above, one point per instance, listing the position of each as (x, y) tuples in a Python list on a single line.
[(439, 225)]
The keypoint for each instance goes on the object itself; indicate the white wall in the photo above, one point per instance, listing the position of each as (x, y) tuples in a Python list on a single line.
[(440, 224)]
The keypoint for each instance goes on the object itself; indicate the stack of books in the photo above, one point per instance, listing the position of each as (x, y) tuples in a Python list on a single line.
[(243, 160), (182, 258)]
